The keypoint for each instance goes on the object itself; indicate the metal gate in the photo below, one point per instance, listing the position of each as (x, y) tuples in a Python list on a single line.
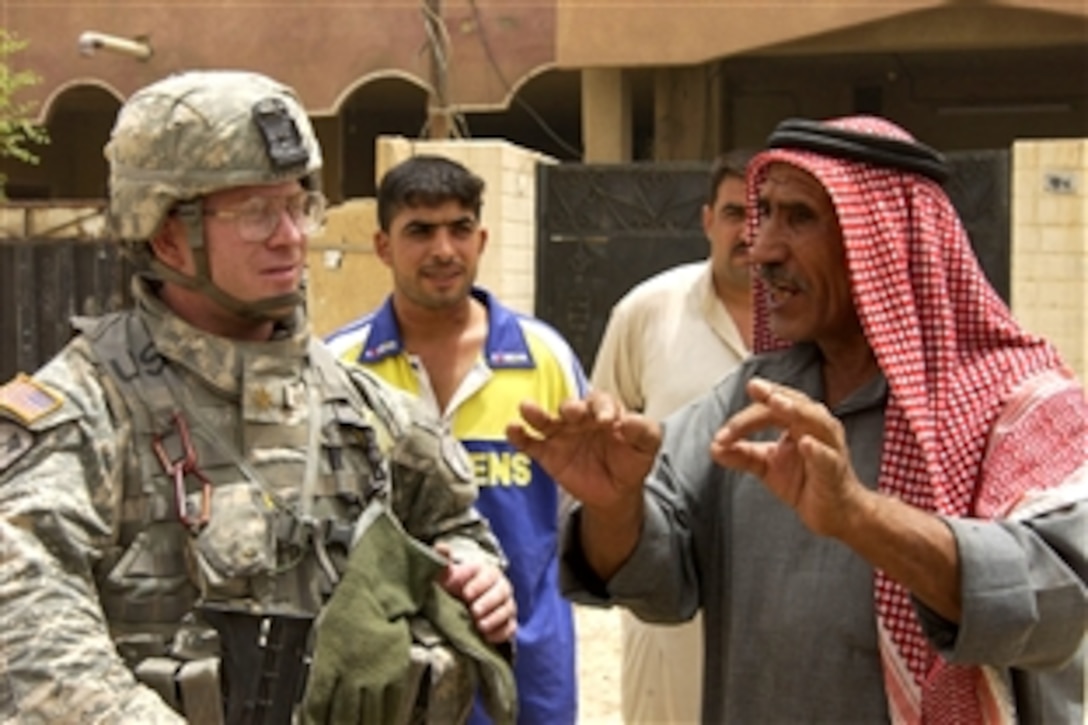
[(54, 263), (601, 229), (604, 228)]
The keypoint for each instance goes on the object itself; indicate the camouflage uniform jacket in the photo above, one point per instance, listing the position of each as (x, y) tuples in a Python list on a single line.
[(104, 551)]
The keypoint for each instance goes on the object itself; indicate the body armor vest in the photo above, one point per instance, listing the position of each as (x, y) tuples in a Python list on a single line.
[(245, 499), (243, 471)]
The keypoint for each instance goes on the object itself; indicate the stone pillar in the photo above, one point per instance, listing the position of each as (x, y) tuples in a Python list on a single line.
[(687, 113), (606, 116), (1050, 244)]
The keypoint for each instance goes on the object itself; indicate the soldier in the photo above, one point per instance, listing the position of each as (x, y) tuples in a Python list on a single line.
[(189, 483)]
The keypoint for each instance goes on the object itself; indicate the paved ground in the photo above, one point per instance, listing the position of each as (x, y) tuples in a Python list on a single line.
[(598, 633)]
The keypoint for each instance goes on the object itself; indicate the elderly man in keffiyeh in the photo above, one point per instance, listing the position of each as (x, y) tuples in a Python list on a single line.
[(884, 513)]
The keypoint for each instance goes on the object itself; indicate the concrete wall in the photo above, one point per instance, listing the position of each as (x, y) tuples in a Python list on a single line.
[(619, 33), (334, 46), (663, 81), (347, 279), (1050, 244)]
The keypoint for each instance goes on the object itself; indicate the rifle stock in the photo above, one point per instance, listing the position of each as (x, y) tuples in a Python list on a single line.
[(263, 663)]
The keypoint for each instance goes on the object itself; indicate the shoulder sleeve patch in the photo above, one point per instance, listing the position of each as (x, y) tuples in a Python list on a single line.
[(15, 440), (27, 399)]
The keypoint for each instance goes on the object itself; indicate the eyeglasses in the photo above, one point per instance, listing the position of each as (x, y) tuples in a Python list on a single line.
[(258, 218)]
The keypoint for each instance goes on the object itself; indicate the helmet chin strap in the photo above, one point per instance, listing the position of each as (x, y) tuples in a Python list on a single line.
[(270, 308)]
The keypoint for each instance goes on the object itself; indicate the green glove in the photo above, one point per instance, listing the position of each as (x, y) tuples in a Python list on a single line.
[(363, 670), (360, 672)]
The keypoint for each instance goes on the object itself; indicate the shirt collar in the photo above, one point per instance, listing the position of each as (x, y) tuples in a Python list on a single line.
[(505, 346), (221, 362), (702, 292)]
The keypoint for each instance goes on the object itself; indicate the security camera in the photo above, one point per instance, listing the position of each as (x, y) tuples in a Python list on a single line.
[(88, 43), (91, 42)]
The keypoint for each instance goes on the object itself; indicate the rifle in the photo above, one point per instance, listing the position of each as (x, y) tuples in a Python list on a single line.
[(263, 663)]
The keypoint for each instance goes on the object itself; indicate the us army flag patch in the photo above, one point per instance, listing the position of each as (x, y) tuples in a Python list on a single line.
[(27, 399)]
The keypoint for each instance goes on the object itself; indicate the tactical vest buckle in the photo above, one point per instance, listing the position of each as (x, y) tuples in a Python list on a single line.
[(182, 467)]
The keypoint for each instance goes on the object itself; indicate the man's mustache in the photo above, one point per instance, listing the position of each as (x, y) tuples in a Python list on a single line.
[(442, 267), (775, 275)]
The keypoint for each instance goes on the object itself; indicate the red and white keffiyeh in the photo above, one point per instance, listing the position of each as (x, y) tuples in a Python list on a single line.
[(982, 417)]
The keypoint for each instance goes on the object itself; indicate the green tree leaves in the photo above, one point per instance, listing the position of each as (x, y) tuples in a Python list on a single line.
[(18, 130)]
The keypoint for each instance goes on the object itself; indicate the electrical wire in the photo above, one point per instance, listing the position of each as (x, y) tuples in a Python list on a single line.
[(486, 45), (438, 38)]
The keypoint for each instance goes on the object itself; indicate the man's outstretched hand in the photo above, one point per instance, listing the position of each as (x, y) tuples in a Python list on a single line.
[(601, 455), (807, 466), (592, 447)]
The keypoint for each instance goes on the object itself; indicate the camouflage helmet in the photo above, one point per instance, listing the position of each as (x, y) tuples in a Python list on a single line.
[(198, 132)]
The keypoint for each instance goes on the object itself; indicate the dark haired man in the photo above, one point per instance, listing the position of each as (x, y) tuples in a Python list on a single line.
[(471, 360)]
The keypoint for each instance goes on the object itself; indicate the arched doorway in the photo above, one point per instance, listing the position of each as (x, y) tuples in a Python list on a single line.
[(72, 165), (382, 107)]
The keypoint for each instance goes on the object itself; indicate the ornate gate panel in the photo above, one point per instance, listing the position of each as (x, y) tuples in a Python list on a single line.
[(55, 262), (605, 228), (980, 189)]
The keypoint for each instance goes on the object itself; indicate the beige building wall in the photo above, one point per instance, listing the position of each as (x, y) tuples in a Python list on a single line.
[(1050, 244), (347, 280)]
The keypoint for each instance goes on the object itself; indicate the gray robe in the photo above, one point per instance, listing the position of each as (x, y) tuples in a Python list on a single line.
[(790, 627)]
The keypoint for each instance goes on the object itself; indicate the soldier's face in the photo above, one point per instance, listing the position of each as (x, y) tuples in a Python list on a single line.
[(252, 270), (433, 252)]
